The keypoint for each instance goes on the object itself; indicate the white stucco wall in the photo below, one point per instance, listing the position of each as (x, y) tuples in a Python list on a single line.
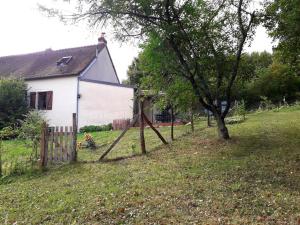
[(102, 69), (64, 98), (100, 104)]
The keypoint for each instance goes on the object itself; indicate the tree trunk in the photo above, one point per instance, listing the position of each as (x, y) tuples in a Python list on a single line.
[(222, 129), (208, 119), (142, 126)]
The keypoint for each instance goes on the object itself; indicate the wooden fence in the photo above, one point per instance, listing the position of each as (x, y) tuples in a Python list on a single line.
[(58, 144), (120, 124)]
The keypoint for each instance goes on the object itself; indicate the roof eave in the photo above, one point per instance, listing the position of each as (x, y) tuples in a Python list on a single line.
[(51, 77)]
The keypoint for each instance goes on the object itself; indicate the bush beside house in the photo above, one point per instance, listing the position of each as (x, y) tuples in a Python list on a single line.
[(13, 102)]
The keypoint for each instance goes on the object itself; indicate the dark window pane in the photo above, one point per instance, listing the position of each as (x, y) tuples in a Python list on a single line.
[(42, 100), (32, 100)]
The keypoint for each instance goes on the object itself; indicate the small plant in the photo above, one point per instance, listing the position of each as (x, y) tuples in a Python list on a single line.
[(134, 149), (8, 133), (239, 109), (31, 128), (89, 141)]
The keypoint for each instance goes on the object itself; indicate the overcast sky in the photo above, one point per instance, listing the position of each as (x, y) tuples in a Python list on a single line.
[(24, 29)]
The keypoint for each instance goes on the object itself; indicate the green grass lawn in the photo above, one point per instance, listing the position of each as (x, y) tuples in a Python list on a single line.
[(252, 179)]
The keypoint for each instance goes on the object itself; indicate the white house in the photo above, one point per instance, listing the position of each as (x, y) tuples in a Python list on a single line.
[(79, 80)]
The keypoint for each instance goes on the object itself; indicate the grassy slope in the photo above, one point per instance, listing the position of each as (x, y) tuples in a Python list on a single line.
[(252, 179)]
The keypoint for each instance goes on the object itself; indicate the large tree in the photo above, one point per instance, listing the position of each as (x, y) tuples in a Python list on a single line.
[(202, 34), (282, 20)]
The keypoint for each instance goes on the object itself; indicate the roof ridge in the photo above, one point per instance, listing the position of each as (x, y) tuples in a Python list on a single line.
[(46, 51)]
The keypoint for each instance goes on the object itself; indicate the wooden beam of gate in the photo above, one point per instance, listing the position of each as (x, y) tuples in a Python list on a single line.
[(74, 139), (43, 147), (119, 138), (154, 129)]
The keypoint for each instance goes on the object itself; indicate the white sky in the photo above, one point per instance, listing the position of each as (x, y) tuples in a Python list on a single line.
[(23, 29)]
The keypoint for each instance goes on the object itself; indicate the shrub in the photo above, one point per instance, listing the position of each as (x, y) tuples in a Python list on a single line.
[(277, 82), (239, 109), (8, 133), (93, 128), (31, 128), (13, 102)]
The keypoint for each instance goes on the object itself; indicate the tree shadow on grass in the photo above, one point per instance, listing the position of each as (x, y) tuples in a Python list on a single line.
[(270, 158)]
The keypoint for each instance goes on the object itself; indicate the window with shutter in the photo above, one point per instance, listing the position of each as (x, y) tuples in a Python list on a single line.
[(32, 100)]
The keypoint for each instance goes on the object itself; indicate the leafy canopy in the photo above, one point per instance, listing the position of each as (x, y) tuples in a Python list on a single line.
[(282, 19), (201, 34)]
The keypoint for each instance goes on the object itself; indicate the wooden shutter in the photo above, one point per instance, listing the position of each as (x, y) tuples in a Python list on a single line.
[(32, 100), (49, 100)]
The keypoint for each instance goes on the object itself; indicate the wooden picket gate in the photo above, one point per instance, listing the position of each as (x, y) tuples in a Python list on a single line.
[(58, 144)]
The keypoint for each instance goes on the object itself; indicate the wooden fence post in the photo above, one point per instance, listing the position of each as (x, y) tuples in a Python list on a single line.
[(74, 155), (0, 158), (192, 121), (142, 126), (44, 145), (154, 129), (172, 123)]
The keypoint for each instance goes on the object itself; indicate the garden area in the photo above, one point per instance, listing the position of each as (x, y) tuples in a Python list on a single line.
[(254, 178), (17, 154)]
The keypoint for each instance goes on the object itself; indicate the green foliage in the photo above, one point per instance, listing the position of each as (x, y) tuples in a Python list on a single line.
[(201, 42), (252, 64), (93, 128), (31, 128), (8, 133), (135, 73), (162, 75), (283, 23), (239, 109), (277, 83), (266, 104), (13, 102)]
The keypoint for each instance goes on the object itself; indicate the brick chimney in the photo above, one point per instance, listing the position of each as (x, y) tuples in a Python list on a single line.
[(101, 39)]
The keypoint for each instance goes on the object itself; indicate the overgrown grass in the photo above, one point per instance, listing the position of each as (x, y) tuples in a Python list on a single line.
[(252, 179)]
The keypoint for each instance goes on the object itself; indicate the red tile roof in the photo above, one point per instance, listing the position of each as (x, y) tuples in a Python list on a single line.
[(44, 64)]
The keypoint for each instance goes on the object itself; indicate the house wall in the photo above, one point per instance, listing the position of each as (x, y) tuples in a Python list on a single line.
[(100, 104), (102, 69), (64, 98)]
